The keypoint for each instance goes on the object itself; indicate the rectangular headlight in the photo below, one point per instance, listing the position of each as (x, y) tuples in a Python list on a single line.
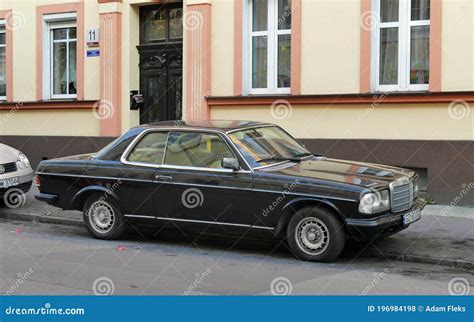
[(416, 188), (374, 202)]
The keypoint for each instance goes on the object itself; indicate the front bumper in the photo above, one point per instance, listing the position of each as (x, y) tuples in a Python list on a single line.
[(382, 226), (25, 181)]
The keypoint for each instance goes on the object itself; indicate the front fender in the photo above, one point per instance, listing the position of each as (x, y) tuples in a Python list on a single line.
[(81, 196), (289, 209)]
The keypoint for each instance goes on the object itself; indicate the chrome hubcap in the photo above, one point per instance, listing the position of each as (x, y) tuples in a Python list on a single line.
[(101, 217), (312, 236)]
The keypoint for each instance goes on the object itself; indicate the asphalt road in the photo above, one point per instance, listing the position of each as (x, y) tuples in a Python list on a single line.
[(50, 259)]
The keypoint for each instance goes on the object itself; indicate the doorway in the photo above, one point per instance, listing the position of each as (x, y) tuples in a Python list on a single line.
[(161, 62)]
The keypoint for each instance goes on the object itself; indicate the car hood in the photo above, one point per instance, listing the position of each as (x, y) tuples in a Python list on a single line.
[(362, 174), (8, 154)]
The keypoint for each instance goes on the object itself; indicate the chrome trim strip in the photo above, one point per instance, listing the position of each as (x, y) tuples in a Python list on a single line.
[(140, 216), (271, 165), (200, 221), (250, 127), (90, 177), (203, 185), (181, 167)]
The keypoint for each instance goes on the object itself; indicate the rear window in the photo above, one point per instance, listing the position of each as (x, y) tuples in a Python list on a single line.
[(114, 150)]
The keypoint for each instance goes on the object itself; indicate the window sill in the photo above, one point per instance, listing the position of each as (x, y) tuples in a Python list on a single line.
[(63, 104), (339, 99)]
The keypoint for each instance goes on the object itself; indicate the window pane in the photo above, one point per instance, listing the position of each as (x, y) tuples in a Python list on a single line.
[(388, 56), (420, 55), (3, 78), (259, 62), (155, 25), (59, 33), (260, 15), (388, 10), (264, 143), (176, 23), (284, 14), (59, 68), (420, 9), (284, 61), (72, 33), (72, 68), (196, 150), (150, 149), (2, 38)]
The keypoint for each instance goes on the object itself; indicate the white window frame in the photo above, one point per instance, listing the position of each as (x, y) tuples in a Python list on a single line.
[(3, 30), (272, 34), (404, 25), (51, 22)]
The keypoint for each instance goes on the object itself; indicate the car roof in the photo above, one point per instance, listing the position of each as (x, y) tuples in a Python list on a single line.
[(215, 125)]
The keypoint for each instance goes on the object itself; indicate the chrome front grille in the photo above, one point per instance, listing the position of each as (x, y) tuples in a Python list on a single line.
[(401, 194)]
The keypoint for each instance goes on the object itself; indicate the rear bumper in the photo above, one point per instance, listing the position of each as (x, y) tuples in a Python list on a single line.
[(382, 226), (50, 199)]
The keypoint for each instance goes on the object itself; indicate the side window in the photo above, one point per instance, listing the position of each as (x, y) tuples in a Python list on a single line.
[(201, 150), (150, 149)]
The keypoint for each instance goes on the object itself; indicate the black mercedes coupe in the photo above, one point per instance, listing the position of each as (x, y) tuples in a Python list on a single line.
[(234, 178)]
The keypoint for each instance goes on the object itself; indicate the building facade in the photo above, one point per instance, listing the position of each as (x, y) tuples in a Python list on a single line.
[(384, 81)]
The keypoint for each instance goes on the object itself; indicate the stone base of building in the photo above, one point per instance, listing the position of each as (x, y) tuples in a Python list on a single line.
[(446, 167)]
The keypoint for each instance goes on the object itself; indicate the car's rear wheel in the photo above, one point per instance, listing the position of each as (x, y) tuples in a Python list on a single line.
[(315, 234), (103, 217)]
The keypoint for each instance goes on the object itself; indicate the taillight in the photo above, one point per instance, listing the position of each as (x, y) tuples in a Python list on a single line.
[(37, 181)]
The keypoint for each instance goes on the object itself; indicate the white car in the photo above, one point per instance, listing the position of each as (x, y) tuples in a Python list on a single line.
[(16, 174)]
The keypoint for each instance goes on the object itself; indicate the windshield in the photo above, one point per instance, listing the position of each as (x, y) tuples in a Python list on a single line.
[(267, 145)]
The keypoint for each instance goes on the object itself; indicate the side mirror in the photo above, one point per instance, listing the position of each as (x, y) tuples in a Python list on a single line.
[(230, 163)]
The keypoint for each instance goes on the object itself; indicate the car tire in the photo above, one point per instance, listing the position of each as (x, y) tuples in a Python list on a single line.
[(315, 234), (103, 217)]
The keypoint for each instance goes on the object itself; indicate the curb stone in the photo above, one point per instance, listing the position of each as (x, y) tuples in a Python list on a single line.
[(365, 254)]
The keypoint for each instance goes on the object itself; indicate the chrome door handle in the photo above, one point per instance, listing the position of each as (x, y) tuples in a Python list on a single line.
[(163, 178)]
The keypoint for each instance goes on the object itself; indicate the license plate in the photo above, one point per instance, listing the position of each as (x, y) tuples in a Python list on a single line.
[(7, 183), (411, 217)]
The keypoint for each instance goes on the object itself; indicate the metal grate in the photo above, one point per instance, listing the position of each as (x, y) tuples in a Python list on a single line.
[(401, 195)]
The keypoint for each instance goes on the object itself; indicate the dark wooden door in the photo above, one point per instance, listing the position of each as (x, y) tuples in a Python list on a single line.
[(161, 66)]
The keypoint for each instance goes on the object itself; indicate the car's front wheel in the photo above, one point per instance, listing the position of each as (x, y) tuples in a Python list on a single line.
[(103, 218), (315, 234)]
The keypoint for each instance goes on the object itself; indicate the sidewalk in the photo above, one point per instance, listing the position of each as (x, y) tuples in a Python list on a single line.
[(444, 236)]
